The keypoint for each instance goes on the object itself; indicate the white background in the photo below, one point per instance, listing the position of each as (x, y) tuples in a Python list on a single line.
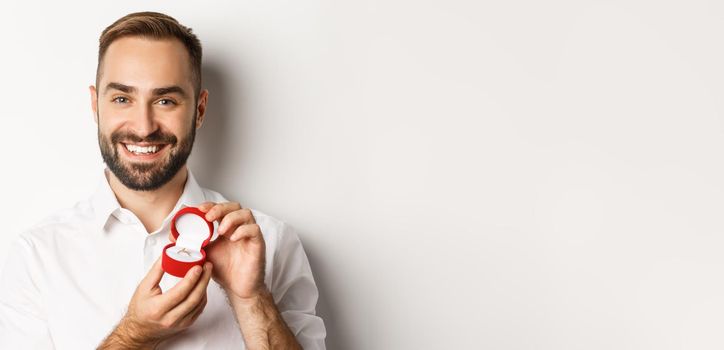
[(463, 174)]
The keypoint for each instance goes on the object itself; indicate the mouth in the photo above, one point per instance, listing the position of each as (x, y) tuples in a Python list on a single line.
[(143, 151)]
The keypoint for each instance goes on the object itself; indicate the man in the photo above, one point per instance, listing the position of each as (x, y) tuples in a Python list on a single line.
[(89, 276)]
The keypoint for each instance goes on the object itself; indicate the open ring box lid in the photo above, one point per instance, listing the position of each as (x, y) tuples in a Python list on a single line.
[(192, 233)]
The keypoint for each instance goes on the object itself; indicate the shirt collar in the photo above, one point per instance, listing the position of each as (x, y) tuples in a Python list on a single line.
[(105, 203)]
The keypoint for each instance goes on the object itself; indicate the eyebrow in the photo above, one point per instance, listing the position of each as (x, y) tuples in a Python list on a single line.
[(156, 92)]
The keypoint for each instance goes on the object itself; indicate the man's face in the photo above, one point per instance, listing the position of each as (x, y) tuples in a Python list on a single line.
[(145, 110)]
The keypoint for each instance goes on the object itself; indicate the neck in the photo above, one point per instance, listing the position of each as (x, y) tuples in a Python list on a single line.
[(151, 207)]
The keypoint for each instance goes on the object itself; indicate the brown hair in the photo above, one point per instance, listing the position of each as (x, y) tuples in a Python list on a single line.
[(153, 25)]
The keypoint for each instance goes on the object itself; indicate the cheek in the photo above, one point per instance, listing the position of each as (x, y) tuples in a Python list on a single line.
[(180, 125), (106, 128), (109, 118)]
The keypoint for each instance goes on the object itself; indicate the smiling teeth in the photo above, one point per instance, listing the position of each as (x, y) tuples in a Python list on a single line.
[(142, 150)]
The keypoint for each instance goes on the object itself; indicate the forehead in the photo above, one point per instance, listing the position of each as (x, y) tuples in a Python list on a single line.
[(146, 63)]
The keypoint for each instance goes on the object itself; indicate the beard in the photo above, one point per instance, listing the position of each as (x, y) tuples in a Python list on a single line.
[(146, 176)]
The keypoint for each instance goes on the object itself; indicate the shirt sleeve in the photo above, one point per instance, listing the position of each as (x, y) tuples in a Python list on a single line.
[(295, 292), (23, 324)]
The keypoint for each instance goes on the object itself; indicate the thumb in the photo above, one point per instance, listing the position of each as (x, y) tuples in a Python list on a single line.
[(153, 277)]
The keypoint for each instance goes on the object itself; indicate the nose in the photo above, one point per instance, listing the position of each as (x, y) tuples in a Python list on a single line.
[(143, 123)]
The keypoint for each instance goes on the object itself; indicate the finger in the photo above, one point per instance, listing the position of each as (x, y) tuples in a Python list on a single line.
[(181, 290), (250, 232), (234, 219), (195, 297), (221, 209), (189, 319), (153, 277), (197, 309), (206, 206), (171, 237)]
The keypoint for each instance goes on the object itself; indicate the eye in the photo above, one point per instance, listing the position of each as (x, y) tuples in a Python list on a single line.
[(120, 99), (166, 102)]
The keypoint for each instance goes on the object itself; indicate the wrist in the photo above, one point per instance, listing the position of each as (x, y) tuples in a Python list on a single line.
[(134, 335), (249, 300), (260, 321)]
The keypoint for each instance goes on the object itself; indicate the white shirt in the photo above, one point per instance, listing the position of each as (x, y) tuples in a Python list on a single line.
[(68, 280)]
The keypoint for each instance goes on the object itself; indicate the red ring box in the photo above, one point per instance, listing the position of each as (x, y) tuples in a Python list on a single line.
[(192, 233)]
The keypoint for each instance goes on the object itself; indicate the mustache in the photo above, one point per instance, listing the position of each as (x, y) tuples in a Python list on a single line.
[(156, 137)]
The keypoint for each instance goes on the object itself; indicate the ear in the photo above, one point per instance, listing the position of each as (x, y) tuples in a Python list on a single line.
[(201, 107), (94, 102)]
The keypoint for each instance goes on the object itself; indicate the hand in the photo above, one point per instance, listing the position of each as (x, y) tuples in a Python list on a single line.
[(153, 316), (238, 253)]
